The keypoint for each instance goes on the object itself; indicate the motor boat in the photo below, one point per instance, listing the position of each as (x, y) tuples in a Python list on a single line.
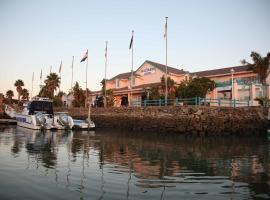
[(84, 124), (38, 114)]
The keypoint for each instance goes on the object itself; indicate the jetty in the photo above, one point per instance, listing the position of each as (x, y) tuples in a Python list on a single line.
[(8, 122)]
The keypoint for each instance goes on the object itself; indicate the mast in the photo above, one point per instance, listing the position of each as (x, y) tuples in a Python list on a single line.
[(72, 72), (105, 92), (32, 85), (166, 75), (86, 91), (131, 81)]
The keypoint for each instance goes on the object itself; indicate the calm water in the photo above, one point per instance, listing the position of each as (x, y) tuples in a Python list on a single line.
[(117, 165)]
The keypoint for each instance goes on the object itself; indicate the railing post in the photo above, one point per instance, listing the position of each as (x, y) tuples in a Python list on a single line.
[(144, 103), (234, 103), (159, 102), (199, 101), (248, 103), (219, 103), (176, 101)]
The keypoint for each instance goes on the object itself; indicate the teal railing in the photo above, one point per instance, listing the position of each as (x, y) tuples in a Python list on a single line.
[(194, 101)]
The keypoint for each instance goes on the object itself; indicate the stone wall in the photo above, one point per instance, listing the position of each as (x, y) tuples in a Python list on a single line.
[(197, 120)]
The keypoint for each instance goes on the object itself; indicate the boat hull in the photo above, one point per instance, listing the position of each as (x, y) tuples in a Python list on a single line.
[(27, 121)]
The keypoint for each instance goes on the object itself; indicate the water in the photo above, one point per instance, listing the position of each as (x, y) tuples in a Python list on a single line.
[(117, 165)]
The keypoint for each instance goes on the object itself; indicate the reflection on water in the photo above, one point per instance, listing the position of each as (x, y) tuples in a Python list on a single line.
[(118, 165)]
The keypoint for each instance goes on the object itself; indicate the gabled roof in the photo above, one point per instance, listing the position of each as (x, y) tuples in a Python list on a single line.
[(122, 76), (226, 70), (157, 65), (163, 68)]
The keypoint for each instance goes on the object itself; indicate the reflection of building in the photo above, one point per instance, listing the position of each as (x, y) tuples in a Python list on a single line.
[(245, 85)]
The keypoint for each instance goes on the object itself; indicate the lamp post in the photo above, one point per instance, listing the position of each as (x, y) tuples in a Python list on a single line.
[(232, 72)]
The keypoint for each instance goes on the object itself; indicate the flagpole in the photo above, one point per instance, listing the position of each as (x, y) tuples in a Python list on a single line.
[(131, 68), (40, 78), (105, 92), (60, 69), (86, 93), (72, 72), (166, 76), (32, 85), (50, 69)]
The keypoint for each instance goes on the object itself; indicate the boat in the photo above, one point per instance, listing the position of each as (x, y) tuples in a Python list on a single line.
[(38, 114), (84, 124)]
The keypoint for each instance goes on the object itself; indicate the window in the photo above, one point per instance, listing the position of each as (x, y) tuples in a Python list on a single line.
[(117, 83)]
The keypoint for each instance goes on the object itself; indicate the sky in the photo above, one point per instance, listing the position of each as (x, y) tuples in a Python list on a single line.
[(202, 35)]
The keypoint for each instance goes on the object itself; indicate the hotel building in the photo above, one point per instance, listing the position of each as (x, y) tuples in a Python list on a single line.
[(245, 84)]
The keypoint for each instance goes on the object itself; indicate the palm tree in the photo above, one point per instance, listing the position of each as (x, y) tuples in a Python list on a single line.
[(25, 94), (9, 95), (19, 84), (79, 96), (260, 65), (52, 83), (2, 97)]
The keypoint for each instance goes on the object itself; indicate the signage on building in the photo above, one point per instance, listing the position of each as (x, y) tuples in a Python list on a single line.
[(148, 71), (224, 88)]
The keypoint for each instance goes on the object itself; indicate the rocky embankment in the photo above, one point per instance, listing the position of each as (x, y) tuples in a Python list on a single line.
[(197, 120)]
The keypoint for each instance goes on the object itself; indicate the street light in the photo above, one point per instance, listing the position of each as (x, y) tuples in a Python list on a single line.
[(232, 72)]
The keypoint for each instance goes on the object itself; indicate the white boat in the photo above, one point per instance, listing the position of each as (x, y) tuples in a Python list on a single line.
[(84, 124), (38, 114)]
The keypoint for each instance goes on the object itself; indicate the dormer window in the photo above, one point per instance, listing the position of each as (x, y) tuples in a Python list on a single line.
[(117, 83)]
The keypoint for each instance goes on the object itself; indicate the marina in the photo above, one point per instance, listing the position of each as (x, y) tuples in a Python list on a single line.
[(135, 100), (38, 114)]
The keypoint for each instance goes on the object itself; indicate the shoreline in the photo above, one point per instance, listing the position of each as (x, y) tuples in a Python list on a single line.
[(186, 120), (196, 120)]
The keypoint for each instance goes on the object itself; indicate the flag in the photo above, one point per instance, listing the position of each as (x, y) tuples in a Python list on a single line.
[(60, 67), (41, 74), (85, 56), (33, 76), (131, 42), (165, 33)]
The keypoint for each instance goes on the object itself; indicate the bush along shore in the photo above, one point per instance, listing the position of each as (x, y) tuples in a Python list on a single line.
[(199, 120)]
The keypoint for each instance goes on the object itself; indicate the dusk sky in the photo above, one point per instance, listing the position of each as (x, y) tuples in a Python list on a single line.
[(202, 35)]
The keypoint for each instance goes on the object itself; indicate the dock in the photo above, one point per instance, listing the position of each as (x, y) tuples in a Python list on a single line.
[(8, 122)]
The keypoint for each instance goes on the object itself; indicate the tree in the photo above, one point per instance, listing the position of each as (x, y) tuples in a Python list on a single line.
[(197, 87), (182, 89), (170, 85), (260, 65), (2, 98), (109, 94), (9, 95), (19, 84), (152, 93), (79, 96), (25, 94), (52, 82), (44, 92)]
